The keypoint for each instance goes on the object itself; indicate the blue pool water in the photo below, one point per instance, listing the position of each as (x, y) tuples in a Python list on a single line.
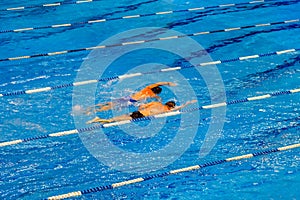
[(58, 165)]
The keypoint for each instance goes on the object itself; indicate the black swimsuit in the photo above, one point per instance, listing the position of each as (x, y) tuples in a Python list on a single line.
[(136, 115)]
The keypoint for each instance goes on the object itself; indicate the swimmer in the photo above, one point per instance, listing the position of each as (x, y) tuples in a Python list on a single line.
[(145, 110), (151, 91)]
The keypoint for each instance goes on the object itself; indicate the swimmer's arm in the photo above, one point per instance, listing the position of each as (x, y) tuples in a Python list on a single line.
[(144, 106), (184, 105), (161, 83)]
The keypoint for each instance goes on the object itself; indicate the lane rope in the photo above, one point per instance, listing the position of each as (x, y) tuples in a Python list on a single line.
[(98, 126), (56, 4), (173, 172), (123, 17), (125, 76), (293, 21)]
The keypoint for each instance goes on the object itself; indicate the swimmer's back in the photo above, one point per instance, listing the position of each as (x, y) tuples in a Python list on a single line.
[(153, 108), (143, 94)]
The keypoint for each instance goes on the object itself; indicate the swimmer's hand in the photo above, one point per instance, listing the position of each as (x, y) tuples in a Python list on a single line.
[(172, 84), (190, 102), (182, 106)]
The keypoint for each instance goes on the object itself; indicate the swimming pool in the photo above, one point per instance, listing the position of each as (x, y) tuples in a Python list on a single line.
[(251, 45)]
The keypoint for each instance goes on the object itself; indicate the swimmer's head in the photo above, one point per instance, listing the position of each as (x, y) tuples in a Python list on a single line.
[(171, 104), (156, 90)]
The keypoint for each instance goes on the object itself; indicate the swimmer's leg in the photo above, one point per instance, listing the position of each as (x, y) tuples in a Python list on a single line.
[(105, 106), (97, 119), (115, 119), (88, 111), (121, 118)]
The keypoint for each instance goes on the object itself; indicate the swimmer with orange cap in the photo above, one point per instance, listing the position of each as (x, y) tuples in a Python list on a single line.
[(145, 110), (150, 91)]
